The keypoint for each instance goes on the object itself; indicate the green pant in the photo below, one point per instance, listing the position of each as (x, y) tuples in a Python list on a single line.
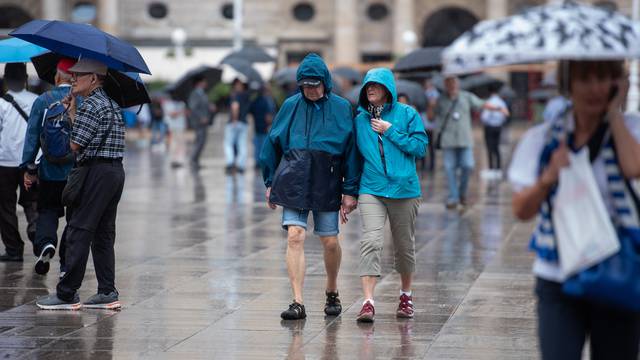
[(402, 218)]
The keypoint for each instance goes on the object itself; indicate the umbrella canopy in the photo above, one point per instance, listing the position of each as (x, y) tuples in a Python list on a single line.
[(348, 73), (181, 89), (285, 76), (251, 54), (424, 59), (127, 89), (478, 81), (82, 40), (245, 69), (409, 88), (567, 31), (16, 50)]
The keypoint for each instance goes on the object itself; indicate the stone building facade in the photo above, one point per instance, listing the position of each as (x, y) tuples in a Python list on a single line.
[(343, 31)]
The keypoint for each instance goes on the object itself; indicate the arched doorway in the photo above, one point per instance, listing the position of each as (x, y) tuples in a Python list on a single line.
[(13, 16), (445, 25)]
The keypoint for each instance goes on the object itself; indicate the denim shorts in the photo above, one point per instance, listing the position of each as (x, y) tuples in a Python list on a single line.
[(325, 223)]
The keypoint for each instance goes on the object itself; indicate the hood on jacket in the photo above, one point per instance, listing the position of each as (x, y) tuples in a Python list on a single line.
[(382, 76), (312, 66)]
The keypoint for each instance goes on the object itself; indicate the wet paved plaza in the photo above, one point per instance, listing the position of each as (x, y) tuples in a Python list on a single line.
[(201, 273)]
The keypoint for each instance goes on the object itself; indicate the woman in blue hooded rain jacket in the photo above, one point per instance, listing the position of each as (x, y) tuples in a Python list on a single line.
[(390, 136)]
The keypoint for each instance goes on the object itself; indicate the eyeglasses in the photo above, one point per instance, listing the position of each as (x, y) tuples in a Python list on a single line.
[(77, 75)]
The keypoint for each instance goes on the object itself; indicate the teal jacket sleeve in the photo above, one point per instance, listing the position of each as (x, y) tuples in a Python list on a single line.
[(353, 166), (34, 126), (414, 139), (273, 148)]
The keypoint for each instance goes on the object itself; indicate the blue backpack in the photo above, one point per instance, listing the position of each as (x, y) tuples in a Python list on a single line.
[(56, 135)]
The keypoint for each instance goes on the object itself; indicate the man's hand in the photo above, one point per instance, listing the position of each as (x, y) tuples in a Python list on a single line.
[(380, 126), (349, 203), (69, 103), (29, 180), (271, 205)]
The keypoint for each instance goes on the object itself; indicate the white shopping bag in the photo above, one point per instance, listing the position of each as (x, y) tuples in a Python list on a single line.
[(584, 233)]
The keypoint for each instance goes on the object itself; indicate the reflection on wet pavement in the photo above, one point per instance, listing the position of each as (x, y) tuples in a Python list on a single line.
[(201, 273)]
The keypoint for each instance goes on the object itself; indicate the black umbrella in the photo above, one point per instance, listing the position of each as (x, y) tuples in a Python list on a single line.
[(542, 94), (127, 89), (251, 54), (507, 92), (181, 89), (245, 68), (478, 81), (424, 59), (285, 76), (348, 73)]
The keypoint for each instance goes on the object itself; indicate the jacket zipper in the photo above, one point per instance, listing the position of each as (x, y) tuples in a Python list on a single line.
[(381, 148)]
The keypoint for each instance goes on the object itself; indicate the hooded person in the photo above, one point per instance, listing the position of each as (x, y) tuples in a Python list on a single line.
[(310, 163), (390, 136)]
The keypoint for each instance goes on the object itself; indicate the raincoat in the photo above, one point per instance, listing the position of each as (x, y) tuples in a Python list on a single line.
[(394, 174), (310, 158)]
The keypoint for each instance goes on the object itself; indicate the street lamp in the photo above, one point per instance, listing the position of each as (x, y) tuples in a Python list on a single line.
[(179, 38), (409, 38)]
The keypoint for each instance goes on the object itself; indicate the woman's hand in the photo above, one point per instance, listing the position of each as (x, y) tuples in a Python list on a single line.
[(380, 126), (617, 103), (559, 160), (267, 195)]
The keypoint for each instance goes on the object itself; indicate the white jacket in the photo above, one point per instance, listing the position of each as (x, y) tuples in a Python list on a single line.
[(13, 127)]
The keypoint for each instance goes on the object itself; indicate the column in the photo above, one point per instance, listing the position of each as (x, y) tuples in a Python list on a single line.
[(404, 31), (346, 47), (108, 16), (53, 10), (497, 9)]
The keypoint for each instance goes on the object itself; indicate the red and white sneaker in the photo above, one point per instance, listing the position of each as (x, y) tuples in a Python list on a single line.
[(366, 313), (405, 308)]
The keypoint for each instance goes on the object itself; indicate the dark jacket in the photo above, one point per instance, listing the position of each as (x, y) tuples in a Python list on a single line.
[(310, 158)]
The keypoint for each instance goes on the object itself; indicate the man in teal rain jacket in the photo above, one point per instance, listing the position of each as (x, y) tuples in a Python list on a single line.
[(310, 163), (390, 136)]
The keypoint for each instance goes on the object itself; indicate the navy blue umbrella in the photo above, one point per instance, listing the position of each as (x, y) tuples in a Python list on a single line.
[(82, 40), (127, 89)]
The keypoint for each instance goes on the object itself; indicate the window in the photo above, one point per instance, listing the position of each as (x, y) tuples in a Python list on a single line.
[(83, 12), (227, 11), (158, 10), (607, 5), (296, 57), (304, 12), (377, 11)]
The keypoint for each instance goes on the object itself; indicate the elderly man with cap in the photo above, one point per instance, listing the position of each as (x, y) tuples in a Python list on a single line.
[(310, 163), (15, 106), (97, 137), (50, 174)]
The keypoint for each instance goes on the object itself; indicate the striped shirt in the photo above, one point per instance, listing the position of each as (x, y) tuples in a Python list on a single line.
[(92, 122)]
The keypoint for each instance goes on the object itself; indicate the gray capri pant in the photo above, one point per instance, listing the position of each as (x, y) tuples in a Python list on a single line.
[(402, 218)]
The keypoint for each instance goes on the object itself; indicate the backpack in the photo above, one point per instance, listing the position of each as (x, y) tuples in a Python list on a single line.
[(55, 136)]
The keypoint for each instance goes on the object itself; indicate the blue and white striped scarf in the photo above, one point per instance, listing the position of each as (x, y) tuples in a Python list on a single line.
[(543, 240)]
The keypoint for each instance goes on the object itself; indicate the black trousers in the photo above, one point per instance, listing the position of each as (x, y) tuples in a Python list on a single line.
[(10, 182), (492, 140), (50, 209), (93, 227), (565, 322)]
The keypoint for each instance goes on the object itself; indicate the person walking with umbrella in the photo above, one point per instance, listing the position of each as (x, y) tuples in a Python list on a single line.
[(52, 173), (599, 302), (98, 138)]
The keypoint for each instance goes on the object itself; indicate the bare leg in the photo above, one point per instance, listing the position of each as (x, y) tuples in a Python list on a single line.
[(295, 260), (406, 281), (368, 286), (332, 259)]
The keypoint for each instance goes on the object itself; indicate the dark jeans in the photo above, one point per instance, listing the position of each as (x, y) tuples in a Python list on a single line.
[(492, 140), (10, 181), (198, 146), (50, 209), (93, 227), (565, 322)]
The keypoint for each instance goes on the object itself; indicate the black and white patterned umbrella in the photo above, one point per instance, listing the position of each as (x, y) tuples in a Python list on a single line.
[(566, 31)]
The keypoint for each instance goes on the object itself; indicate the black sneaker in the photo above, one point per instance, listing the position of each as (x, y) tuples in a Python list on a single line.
[(294, 312), (42, 265), (332, 307)]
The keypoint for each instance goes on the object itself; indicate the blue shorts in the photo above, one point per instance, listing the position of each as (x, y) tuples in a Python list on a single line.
[(325, 223)]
